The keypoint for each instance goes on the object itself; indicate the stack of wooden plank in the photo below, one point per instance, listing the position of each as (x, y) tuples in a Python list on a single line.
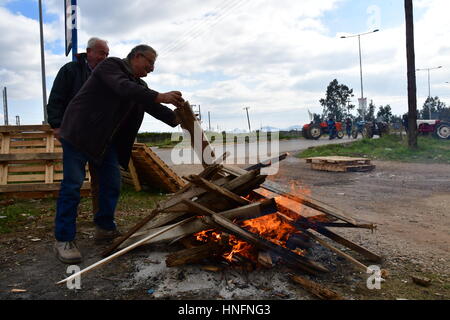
[(31, 162), (147, 168), (340, 164)]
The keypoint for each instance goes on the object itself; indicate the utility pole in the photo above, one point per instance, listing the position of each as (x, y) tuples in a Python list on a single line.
[(429, 85), (248, 119), (411, 61), (44, 88), (209, 120), (18, 120), (362, 101), (5, 105)]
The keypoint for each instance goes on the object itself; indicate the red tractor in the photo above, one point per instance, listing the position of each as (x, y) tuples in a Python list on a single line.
[(437, 127), (316, 130)]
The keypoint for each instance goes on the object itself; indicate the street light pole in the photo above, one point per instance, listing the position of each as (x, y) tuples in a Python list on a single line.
[(248, 119), (360, 62), (44, 89), (429, 83)]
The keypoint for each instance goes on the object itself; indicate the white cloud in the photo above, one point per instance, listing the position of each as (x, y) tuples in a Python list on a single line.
[(272, 56)]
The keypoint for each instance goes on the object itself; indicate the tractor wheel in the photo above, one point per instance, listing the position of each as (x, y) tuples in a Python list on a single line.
[(314, 131), (340, 134), (355, 134), (443, 130), (305, 134)]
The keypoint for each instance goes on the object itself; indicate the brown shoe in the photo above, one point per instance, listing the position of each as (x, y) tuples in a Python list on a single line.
[(102, 235), (67, 252)]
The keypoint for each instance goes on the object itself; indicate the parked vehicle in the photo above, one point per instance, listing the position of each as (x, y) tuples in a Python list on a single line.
[(316, 130), (440, 129), (368, 129)]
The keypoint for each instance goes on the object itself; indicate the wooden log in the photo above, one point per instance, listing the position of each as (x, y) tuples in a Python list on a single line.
[(205, 184), (292, 259), (339, 239), (196, 254), (316, 289), (199, 141)]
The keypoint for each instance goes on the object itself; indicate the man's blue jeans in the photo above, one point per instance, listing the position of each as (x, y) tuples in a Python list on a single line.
[(74, 164)]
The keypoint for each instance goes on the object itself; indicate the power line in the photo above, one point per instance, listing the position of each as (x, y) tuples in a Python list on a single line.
[(191, 29), (204, 25)]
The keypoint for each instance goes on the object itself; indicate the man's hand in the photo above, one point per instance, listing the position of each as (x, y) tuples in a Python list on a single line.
[(172, 97), (56, 133)]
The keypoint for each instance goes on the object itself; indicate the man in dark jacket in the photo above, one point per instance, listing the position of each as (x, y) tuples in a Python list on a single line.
[(68, 82), (100, 125)]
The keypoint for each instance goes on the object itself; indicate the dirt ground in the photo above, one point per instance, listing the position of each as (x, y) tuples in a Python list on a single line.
[(408, 202)]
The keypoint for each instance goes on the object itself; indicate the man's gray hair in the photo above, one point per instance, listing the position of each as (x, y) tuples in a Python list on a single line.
[(92, 42), (140, 49)]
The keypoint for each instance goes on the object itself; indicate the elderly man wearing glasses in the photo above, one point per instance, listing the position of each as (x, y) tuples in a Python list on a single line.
[(100, 125)]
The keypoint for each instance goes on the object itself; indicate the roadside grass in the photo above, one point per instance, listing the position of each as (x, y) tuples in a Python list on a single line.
[(26, 215), (390, 147)]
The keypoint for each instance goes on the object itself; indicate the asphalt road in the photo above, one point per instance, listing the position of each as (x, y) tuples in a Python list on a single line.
[(240, 153)]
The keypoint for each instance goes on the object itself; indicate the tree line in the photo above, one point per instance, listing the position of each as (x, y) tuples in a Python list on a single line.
[(337, 104)]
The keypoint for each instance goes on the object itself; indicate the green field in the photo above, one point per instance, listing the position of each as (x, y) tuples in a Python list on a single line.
[(390, 147)]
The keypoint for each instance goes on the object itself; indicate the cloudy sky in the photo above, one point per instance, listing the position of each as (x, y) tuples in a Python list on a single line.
[(275, 57)]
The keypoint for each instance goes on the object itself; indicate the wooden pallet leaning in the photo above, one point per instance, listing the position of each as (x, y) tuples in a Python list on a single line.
[(130, 176), (152, 170), (340, 164), (31, 162)]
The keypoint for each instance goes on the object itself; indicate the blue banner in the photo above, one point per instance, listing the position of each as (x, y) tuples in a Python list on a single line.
[(71, 35)]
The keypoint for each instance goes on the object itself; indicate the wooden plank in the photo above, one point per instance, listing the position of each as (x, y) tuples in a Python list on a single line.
[(8, 129), (341, 168), (338, 159), (35, 187), (305, 223), (4, 166), (26, 177), (316, 289), (28, 135), (203, 183), (134, 176), (29, 143), (26, 168), (26, 150), (199, 141), (31, 156)]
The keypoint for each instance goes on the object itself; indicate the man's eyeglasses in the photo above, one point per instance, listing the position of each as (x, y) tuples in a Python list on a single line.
[(151, 62)]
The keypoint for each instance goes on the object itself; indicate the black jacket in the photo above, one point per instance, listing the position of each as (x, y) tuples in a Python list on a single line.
[(68, 82), (109, 109)]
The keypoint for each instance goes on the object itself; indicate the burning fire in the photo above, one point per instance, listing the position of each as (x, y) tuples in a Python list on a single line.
[(270, 227)]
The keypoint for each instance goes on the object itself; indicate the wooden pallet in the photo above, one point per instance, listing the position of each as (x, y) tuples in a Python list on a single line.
[(149, 169), (31, 162), (340, 164)]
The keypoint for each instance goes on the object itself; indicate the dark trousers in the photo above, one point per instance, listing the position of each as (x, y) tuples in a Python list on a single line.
[(108, 174)]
